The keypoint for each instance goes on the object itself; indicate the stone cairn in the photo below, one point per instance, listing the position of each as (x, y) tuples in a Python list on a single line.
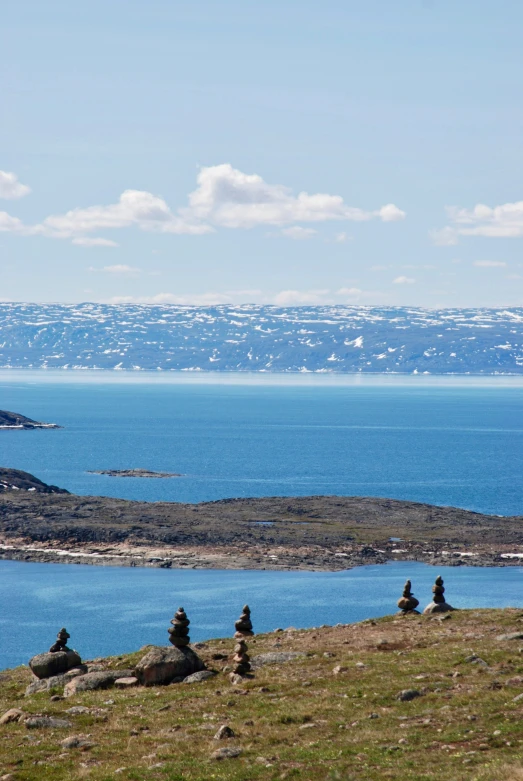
[(241, 658), (179, 632), (438, 604), (61, 641), (408, 602)]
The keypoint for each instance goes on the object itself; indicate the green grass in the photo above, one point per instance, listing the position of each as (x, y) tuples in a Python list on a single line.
[(299, 719)]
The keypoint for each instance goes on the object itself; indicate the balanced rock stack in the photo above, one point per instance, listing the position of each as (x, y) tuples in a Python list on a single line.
[(243, 625), (408, 602), (241, 659), (61, 641), (59, 659), (438, 604), (179, 632)]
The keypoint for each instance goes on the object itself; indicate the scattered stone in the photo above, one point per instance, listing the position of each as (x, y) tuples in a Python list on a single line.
[(275, 657), (408, 694), (511, 636), (408, 602), (94, 681), (518, 698), (161, 665), (48, 722), (243, 625), (77, 741), (438, 604), (126, 683), (13, 714), (226, 753), (55, 681), (339, 669), (203, 675), (179, 632), (235, 678), (474, 659), (224, 732), (78, 710)]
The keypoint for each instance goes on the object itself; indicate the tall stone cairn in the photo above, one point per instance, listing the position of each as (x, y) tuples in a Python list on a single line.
[(243, 625), (241, 659), (179, 632), (408, 602), (438, 604), (61, 641)]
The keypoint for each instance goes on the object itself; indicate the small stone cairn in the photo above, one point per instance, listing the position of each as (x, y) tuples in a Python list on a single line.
[(61, 642), (179, 632), (241, 659), (438, 604), (408, 602)]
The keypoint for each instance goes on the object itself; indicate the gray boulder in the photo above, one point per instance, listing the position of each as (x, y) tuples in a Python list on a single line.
[(275, 657), (46, 722), (93, 681), (161, 665), (55, 681), (203, 675), (49, 664)]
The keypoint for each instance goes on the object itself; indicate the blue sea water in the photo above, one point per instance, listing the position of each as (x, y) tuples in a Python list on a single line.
[(458, 445), (448, 444), (112, 610)]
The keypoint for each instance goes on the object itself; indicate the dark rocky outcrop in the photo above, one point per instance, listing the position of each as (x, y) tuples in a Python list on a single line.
[(17, 421), (17, 480)]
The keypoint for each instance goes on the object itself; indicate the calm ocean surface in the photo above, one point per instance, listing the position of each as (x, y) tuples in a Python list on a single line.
[(447, 444)]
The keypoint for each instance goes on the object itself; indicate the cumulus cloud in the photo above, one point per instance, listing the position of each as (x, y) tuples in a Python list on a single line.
[(224, 198), (504, 221), (490, 264), (85, 241), (298, 233), (10, 187), (403, 281)]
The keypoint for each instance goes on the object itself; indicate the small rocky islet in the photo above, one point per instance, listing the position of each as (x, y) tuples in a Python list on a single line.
[(14, 420), (133, 473)]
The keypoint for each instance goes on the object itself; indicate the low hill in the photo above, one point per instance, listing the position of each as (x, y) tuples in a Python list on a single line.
[(17, 421), (412, 698), (16, 480)]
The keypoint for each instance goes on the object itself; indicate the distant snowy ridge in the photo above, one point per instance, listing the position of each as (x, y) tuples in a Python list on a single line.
[(341, 339)]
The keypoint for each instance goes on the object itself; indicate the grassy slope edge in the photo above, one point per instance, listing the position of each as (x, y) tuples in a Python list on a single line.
[(301, 719)]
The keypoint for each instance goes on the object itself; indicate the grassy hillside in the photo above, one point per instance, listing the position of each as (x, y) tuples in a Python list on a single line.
[(332, 714)]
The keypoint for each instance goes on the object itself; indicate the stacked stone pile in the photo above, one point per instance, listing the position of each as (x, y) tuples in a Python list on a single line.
[(179, 632), (61, 641), (243, 625), (241, 659), (408, 602), (59, 659), (438, 604)]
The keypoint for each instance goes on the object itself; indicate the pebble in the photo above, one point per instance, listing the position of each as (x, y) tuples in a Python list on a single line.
[(408, 694), (224, 732), (226, 753)]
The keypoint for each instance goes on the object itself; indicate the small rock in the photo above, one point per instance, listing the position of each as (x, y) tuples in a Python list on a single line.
[(235, 679), (518, 698), (226, 753), (77, 710), (360, 665), (77, 741), (38, 722), (339, 669), (275, 657), (126, 683), (11, 715), (203, 675), (510, 636), (224, 732), (310, 725), (475, 659), (374, 716), (408, 694)]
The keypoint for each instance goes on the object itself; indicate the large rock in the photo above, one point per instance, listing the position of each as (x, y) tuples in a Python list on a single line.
[(55, 681), (93, 681), (162, 665), (49, 664)]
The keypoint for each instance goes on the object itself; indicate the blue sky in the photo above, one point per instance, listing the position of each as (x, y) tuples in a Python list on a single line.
[(280, 152)]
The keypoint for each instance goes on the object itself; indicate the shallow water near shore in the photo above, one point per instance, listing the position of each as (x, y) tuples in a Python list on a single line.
[(112, 610)]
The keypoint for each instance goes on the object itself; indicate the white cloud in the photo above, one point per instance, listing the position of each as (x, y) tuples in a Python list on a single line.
[(121, 269), (85, 241), (299, 233), (224, 197), (230, 198), (504, 221), (11, 188), (297, 297), (490, 264), (403, 281)]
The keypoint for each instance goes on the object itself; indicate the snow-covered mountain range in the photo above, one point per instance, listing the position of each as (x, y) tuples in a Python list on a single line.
[(262, 338)]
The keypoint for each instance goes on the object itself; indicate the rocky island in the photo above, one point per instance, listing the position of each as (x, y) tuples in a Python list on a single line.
[(132, 473), (48, 524), (13, 420)]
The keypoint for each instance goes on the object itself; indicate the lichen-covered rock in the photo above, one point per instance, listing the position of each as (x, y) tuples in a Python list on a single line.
[(46, 722), (203, 675), (55, 681), (94, 681), (49, 664), (161, 665)]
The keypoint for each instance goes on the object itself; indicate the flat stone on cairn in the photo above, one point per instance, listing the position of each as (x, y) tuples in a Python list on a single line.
[(59, 659), (243, 625), (438, 604), (408, 602), (179, 632)]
